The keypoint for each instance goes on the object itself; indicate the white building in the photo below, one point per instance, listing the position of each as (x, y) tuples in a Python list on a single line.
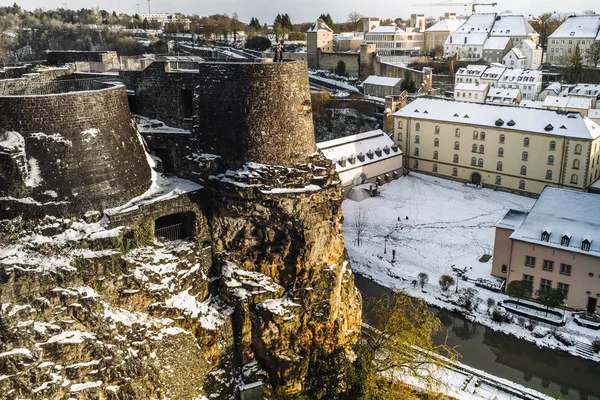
[(165, 19), (470, 74), (515, 27), (380, 86), (468, 40), (492, 75), (528, 81), (586, 90), (390, 40), (514, 59), (581, 105), (471, 92), (577, 30), (495, 48), (369, 157), (533, 53), (503, 97)]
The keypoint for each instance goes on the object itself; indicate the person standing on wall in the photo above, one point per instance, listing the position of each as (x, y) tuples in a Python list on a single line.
[(279, 52)]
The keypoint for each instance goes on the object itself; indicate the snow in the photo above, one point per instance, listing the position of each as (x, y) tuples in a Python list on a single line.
[(568, 102), (210, 312), (70, 337), (577, 27), (384, 29), (319, 26), (511, 26), (381, 81), (305, 189), (334, 82), (89, 134), (34, 178), (445, 25), (24, 352), (473, 87), (485, 115), (87, 385), (149, 125), (585, 89), (277, 306), (56, 137), (472, 70), (496, 43), (479, 22)]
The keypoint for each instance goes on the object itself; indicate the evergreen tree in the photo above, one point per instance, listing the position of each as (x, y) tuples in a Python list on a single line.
[(593, 54), (327, 19), (519, 289), (286, 22), (575, 66)]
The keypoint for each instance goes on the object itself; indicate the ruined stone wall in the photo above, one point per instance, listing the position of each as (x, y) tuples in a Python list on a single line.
[(67, 153), (258, 112)]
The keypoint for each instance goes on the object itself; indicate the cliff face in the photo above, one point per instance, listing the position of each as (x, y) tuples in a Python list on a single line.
[(263, 288)]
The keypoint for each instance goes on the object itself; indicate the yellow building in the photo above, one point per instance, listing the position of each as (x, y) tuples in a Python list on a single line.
[(516, 149), (556, 245)]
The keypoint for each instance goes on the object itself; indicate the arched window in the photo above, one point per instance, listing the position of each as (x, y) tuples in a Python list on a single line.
[(548, 174), (526, 141), (456, 145), (482, 135), (418, 126), (522, 185), (553, 145), (454, 171), (416, 164), (575, 164), (435, 155), (437, 129), (525, 156), (500, 152), (436, 142), (417, 139), (457, 132), (455, 158), (577, 149), (473, 161), (501, 139), (523, 170), (416, 152), (474, 149), (480, 162), (499, 165), (400, 124), (551, 160), (498, 180), (434, 169), (481, 149), (574, 179), (475, 135)]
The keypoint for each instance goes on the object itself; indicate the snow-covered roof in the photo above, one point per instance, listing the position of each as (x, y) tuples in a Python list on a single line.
[(320, 26), (474, 87), (472, 70), (546, 122), (518, 54), (585, 89), (512, 219), (594, 114), (493, 73), (503, 96), (511, 26), (386, 29), (374, 146), (519, 75), (496, 43), (381, 81), (579, 26), (563, 212), (568, 102), (531, 104), (466, 38), (554, 87), (477, 23), (445, 25), (529, 43)]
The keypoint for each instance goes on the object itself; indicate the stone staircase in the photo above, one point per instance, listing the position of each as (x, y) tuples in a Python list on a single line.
[(585, 350)]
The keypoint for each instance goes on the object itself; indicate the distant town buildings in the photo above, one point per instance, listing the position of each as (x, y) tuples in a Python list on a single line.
[(576, 30), (165, 19), (391, 40), (436, 35)]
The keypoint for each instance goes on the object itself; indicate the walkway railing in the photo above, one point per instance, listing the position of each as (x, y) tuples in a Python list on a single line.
[(171, 232)]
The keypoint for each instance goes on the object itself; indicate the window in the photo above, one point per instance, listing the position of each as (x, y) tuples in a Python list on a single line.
[(545, 236), (545, 284), (436, 142), (553, 145), (499, 166), (482, 135), (585, 245), (548, 174), (526, 142), (437, 129), (525, 156), (564, 288), (577, 149), (454, 171), (576, 164), (457, 132), (416, 165), (548, 265), (551, 160), (399, 124), (564, 241), (574, 179), (522, 185), (480, 162), (456, 146), (565, 269), (435, 155), (523, 170), (530, 261), (474, 149), (528, 278), (501, 139), (501, 152), (187, 103), (498, 180), (473, 161), (434, 169), (481, 149), (504, 268), (417, 139), (416, 152), (475, 135), (418, 127), (455, 159)]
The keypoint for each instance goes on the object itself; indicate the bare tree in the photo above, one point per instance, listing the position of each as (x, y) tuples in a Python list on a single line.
[(354, 18), (423, 279), (360, 223)]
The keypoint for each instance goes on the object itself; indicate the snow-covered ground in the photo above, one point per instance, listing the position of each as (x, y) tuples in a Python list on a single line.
[(434, 224)]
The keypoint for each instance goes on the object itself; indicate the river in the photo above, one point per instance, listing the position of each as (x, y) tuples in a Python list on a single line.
[(507, 357)]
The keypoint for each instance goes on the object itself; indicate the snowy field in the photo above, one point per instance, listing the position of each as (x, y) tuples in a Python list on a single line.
[(449, 224)]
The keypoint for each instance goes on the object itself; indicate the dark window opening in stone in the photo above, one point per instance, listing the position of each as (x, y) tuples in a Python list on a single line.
[(229, 109), (247, 110), (166, 159), (187, 103), (131, 100), (174, 227)]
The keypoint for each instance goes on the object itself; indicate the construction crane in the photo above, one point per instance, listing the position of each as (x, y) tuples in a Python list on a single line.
[(475, 3)]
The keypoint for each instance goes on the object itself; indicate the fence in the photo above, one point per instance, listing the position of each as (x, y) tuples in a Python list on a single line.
[(171, 232)]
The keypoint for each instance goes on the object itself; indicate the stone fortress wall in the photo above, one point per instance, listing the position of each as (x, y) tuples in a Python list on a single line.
[(67, 147)]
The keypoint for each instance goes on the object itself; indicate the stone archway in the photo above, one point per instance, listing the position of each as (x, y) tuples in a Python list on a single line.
[(476, 178)]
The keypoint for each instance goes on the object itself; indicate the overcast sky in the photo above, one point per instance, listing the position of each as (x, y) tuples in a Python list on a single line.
[(309, 10)]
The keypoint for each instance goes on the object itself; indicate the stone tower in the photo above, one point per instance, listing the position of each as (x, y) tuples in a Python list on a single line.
[(318, 38), (259, 112)]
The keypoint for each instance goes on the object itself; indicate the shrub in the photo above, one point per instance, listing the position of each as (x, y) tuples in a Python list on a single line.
[(522, 322), (532, 324), (446, 281), (340, 68), (296, 36), (260, 43), (491, 302), (596, 345), (540, 332), (499, 314), (414, 283), (423, 279), (467, 297), (564, 338)]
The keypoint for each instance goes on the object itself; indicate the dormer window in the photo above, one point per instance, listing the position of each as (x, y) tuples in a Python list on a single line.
[(361, 156), (352, 159), (545, 236), (378, 152), (342, 162), (370, 154), (565, 240), (386, 149), (585, 245)]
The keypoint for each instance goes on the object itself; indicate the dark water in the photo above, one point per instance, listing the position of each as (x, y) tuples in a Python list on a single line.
[(507, 357)]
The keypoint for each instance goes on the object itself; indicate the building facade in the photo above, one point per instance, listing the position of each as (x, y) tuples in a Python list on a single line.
[(533, 53), (514, 59), (516, 149), (576, 30), (318, 38), (554, 245), (436, 35), (529, 82), (380, 86), (390, 40), (495, 48), (471, 92)]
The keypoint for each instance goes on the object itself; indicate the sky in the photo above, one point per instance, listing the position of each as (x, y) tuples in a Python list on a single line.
[(309, 10)]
